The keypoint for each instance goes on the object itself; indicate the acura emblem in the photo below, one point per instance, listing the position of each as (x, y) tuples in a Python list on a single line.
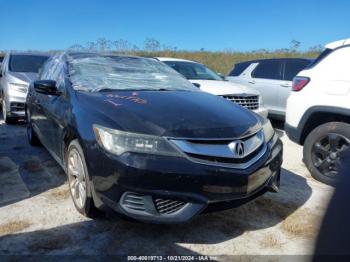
[(237, 149)]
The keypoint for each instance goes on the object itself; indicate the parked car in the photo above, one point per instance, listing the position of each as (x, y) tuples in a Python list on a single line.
[(272, 78), (318, 111), (17, 71), (135, 136), (209, 81)]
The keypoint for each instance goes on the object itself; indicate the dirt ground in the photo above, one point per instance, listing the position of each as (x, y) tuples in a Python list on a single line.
[(37, 215)]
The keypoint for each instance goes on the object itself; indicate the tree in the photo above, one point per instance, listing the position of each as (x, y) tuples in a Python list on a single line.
[(152, 45), (103, 44), (122, 45), (294, 45), (76, 47)]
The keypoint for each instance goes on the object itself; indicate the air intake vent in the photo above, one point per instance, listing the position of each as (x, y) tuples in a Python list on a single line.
[(134, 201), (168, 206)]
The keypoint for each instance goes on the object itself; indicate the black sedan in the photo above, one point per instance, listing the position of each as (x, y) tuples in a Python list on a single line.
[(136, 137)]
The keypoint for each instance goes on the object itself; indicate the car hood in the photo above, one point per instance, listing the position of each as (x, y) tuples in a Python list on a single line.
[(177, 114), (220, 88), (22, 78)]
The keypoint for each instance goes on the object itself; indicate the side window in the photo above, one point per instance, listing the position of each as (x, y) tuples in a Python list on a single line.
[(268, 70), (239, 68), (293, 67)]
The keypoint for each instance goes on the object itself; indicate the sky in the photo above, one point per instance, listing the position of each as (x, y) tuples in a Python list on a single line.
[(239, 25)]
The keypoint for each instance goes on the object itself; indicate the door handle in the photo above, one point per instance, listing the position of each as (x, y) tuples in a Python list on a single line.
[(251, 82), (286, 85)]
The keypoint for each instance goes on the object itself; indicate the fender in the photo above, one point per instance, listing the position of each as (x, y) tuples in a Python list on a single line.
[(300, 133)]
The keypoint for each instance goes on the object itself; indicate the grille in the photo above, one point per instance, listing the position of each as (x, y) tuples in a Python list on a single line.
[(226, 160), (250, 102), (168, 206), (134, 201), (17, 107)]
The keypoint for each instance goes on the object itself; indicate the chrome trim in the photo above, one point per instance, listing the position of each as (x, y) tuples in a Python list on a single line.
[(249, 101), (230, 165), (222, 150)]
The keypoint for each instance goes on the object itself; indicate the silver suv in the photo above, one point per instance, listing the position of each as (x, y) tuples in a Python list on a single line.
[(16, 73), (272, 78)]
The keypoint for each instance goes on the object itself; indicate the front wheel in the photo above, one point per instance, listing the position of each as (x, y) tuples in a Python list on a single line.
[(79, 182), (322, 150), (31, 135)]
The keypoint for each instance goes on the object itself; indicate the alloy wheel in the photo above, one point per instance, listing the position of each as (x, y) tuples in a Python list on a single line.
[(77, 178), (326, 153)]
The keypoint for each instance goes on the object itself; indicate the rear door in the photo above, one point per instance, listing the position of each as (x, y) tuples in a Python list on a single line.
[(291, 67), (267, 78)]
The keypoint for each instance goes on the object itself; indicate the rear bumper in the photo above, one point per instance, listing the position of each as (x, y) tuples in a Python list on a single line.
[(135, 184)]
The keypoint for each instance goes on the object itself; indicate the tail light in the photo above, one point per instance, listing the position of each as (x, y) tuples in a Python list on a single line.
[(299, 83)]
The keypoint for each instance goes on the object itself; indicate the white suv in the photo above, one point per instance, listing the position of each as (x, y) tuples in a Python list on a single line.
[(318, 111), (211, 82)]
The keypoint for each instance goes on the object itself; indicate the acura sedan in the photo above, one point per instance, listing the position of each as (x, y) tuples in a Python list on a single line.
[(134, 136)]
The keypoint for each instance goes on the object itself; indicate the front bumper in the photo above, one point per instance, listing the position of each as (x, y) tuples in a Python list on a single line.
[(15, 104), (262, 111), (174, 190)]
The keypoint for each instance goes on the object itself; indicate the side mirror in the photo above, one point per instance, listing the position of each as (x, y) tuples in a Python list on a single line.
[(46, 87)]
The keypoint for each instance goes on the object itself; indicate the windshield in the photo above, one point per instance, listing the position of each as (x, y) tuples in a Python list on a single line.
[(94, 73), (26, 63), (193, 71)]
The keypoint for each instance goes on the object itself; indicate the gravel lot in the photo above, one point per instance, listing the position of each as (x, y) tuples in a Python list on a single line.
[(37, 215)]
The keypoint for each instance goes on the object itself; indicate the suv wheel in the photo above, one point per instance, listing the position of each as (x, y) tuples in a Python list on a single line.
[(322, 150), (8, 120), (79, 182)]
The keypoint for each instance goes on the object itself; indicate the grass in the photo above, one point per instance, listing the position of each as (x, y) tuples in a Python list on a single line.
[(301, 224), (13, 227), (271, 241), (223, 61), (60, 193)]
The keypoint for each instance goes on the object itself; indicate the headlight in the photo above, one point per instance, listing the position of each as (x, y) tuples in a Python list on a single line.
[(23, 88), (118, 142), (269, 132)]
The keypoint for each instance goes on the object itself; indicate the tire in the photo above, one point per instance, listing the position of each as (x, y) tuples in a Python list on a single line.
[(8, 120), (79, 180), (31, 135), (322, 150)]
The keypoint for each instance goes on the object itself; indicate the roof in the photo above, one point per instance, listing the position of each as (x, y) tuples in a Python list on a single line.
[(174, 59), (37, 53), (338, 43), (276, 59)]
